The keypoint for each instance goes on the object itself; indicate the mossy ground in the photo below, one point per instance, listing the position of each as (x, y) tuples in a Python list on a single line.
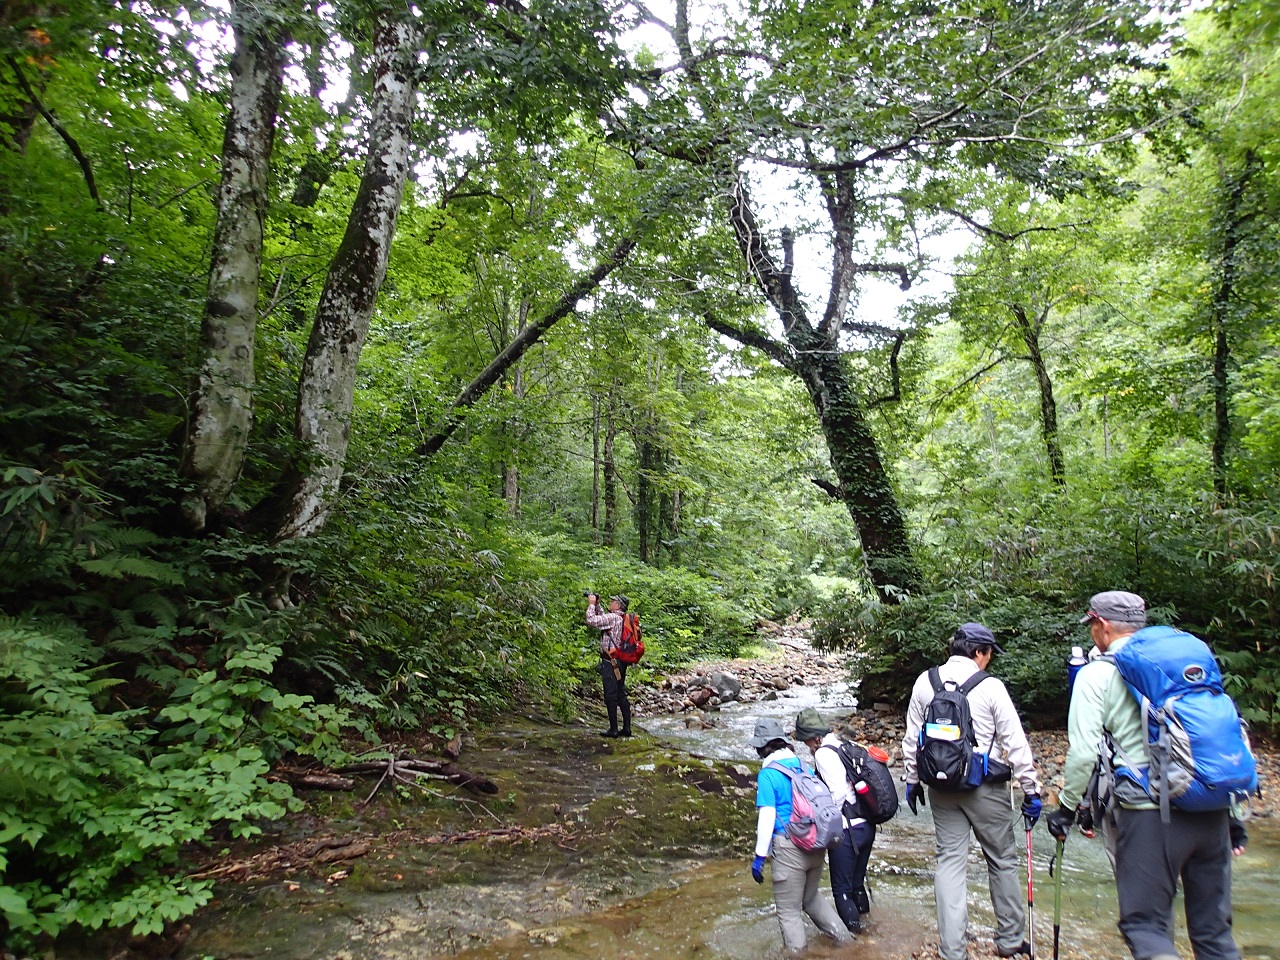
[(578, 822)]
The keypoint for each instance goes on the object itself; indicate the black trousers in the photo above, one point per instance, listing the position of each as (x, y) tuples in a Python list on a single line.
[(1151, 859), (848, 862), (615, 694)]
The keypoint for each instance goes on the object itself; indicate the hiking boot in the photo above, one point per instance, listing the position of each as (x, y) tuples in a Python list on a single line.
[(1022, 949), (611, 734), (624, 733)]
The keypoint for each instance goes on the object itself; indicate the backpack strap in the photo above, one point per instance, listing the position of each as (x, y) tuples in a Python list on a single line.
[(967, 687), (935, 678), (781, 768)]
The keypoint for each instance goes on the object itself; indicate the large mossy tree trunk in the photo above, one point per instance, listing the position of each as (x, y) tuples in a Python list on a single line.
[(812, 352), (308, 487), (864, 483), (221, 416)]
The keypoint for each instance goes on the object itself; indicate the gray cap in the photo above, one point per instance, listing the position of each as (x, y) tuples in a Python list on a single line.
[(622, 600), (767, 729), (810, 726), (977, 635), (1116, 605)]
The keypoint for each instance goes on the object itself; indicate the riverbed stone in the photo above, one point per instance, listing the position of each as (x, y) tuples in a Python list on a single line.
[(727, 686)]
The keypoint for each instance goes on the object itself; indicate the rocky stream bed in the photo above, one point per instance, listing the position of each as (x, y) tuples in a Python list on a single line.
[(578, 826)]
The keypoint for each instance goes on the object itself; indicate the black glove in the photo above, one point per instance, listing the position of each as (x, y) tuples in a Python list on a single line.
[(1085, 819), (1031, 807), (1239, 835), (1059, 822), (915, 792)]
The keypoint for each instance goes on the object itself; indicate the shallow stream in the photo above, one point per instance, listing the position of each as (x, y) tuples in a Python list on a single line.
[(667, 905)]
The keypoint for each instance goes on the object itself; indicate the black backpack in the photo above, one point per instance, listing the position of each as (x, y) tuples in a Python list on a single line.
[(879, 802), (945, 757)]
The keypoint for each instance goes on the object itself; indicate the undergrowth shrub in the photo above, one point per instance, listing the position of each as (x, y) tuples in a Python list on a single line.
[(1028, 572), (98, 802)]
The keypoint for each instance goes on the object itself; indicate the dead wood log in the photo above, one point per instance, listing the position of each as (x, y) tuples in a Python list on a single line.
[(311, 779), (348, 852)]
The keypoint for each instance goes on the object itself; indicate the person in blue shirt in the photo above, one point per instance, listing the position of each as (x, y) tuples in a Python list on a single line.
[(796, 873)]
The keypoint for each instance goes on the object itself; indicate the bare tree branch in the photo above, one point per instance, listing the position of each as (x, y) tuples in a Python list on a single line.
[(895, 374)]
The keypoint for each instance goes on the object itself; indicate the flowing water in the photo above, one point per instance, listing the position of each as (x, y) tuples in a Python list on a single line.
[(718, 912), (713, 910)]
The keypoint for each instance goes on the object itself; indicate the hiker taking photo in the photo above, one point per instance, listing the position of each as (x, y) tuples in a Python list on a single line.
[(796, 870), (1170, 821), (848, 860), (613, 659), (965, 742)]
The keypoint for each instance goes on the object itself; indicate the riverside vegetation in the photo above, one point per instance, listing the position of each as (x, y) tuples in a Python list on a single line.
[(343, 346)]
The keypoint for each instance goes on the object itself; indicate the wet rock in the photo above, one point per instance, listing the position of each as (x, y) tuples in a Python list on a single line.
[(727, 686)]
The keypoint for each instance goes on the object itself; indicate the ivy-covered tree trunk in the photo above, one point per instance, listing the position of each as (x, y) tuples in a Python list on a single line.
[(221, 416), (326, 386), (864, 482), (812, 352), (1030, 333)]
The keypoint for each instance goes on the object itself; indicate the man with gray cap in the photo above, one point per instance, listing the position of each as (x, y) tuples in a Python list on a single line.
[(1151, 856), (796, 873), (613, 672), (985, 810)]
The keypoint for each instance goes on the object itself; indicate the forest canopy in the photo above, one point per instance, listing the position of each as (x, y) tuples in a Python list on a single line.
[(345, 345)]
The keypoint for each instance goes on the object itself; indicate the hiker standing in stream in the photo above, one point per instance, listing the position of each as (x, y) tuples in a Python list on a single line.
[(848, 860), (796, 873), (613, 672), (978, 799), (1152, 856)]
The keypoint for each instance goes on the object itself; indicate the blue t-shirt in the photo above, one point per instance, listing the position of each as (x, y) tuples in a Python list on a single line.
[(773, 789)]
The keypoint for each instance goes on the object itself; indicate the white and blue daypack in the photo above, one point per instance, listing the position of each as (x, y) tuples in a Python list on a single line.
[(1198, 746)]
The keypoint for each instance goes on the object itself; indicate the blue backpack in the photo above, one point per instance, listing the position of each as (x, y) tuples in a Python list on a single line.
[(1198, 746)]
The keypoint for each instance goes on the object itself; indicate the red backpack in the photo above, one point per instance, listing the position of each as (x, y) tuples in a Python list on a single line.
[(631, 647)]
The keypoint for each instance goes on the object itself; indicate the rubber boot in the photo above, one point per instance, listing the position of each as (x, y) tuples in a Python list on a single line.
[(613, 721), (848, 911), (863, 900), (626, 721)]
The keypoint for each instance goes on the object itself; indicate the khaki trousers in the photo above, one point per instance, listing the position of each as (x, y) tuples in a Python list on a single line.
[(797, 875)]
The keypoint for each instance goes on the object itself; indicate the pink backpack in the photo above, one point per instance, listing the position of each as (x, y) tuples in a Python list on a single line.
[(815, 822)]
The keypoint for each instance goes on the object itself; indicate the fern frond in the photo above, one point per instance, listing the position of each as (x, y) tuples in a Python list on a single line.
[(121, 567)]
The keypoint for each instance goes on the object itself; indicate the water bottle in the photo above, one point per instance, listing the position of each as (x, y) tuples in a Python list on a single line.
[(1074, 663), (866, 800)]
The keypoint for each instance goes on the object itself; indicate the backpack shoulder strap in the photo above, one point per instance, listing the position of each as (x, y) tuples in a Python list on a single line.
[(935, 678), (782, 768), (967, 687)]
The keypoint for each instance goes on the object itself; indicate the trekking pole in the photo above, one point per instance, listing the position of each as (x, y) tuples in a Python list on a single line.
[(1031, 899), (1056, 862)]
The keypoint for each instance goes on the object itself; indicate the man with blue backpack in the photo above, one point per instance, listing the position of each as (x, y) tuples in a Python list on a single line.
[(1159, 745)]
